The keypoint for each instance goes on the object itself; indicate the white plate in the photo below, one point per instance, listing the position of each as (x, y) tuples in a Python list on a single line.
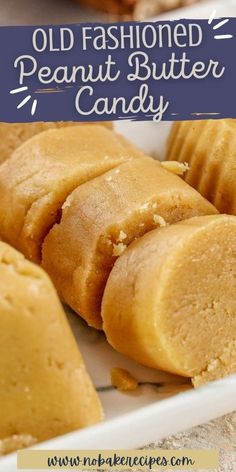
[(164, 404)]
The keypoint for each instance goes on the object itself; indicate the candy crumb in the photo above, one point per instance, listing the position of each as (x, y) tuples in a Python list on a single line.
[(118, 249), (178, 168), (123, 380), (122, 236), (159, 220)]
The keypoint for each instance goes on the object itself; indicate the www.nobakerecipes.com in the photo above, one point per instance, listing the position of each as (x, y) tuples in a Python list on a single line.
[(116, 460), (86, 460)]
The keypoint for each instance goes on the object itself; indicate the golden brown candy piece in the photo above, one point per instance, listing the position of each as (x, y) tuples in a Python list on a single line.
[(209, 148), (123, 380), (45, 390), (36, 180), (170, 303), (102, 217), (12, 135)]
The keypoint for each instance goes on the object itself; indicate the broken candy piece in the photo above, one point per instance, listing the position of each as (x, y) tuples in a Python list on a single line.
[(209, 147), (102, 217), (41, 173), (45, 390), (123, 380), (170, 303)]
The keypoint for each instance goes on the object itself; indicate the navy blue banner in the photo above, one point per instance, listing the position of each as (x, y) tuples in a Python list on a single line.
[(180, 70)]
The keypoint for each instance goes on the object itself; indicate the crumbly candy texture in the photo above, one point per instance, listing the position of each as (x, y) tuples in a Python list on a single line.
[(209, 148), (102, 217), (16, 442), (12, 135), (169, 302), (42, 172), (45, 390), (219, 367)]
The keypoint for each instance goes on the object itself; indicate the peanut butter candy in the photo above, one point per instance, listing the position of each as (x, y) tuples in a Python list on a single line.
[(45, 390), (209, 149), (170, 303), (41, 173), (102, 217)]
